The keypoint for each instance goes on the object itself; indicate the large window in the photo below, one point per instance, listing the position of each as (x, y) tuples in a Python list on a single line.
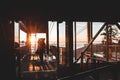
[(23, 38), (20, 36), (52, 32), (16, 34), (96, 27), (62, 34), (79, 38), (81, 34)]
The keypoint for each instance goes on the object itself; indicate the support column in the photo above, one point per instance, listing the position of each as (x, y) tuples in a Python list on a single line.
[(75, 40), (89, 35), (47, 37), (89, 31), (7, 58), (107, 43), (69, 43), (57, 55), (28, 41)]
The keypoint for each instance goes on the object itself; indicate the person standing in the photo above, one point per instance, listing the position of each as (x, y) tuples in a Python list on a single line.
[(41, 49)]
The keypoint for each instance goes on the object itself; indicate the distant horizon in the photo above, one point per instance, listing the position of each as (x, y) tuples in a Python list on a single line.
[(78, 45), (81, 31)]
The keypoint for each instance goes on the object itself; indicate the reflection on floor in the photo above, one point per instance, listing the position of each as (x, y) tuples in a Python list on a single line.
[(31, 67)]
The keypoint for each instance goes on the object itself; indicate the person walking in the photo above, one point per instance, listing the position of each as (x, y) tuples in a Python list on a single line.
[(41, 49)]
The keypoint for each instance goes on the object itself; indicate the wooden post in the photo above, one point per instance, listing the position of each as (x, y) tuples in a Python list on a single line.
[(107, 43), (7, 49), (69, 43), (75, 39), (89, 31), (89, 34), (57, 46)]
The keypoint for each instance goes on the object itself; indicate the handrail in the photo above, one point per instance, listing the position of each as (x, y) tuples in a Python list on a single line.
[(22, 58), (94, 58), (109, 65), (90, 42), (85, 72)]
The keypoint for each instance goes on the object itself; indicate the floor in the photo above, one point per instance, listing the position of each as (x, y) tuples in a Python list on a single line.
[(32, 69)]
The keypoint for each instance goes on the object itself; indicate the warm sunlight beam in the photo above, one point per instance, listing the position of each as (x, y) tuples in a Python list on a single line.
[(32, 38)]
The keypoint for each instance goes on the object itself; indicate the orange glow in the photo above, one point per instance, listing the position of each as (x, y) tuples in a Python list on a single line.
[(37, 68), (30, 67), (32, 39), (34, 57)]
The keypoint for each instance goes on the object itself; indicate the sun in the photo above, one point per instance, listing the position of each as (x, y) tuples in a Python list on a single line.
[(32, 38)]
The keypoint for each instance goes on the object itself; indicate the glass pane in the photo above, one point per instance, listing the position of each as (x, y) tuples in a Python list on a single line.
[(62, 44), (52, 26), (96, 27), (23, 38), (16, 34)]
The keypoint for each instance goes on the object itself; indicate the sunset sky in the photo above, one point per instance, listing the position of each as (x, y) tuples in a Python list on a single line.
[(81, 31)]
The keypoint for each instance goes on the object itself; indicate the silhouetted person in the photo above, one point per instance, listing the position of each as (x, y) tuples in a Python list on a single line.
[(41, 49)]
